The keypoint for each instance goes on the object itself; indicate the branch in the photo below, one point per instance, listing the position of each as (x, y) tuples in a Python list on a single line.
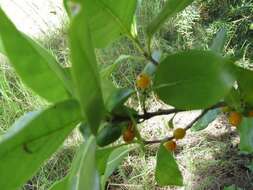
[(222, 104)]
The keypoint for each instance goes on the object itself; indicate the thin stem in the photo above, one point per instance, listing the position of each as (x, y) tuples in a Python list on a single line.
[(187, 126)]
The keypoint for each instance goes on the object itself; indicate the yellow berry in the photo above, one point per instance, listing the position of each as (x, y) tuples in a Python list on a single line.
[(143, 81), (170, 145), (235, 118), (179, 133)]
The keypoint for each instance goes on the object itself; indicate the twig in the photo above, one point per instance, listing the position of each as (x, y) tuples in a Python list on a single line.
[(222, 104)]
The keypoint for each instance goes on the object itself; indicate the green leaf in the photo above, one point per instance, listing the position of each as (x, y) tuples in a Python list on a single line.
[(61, 185), (219, 41), (83, 174), (109, 19), (118, 98), (194, 79), (114, 160), (232, 187), (167, 171), (84, 70), (33, 64), (233, 99), (246, 135), (203, 123), (102, 156), (171, 8), (109, 134), (245, 84), (32, 140), (1, 46), (250, 166), (114, 97), (107, 71)]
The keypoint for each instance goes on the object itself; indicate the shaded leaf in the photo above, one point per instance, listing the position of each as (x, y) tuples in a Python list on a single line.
[(167, 171)]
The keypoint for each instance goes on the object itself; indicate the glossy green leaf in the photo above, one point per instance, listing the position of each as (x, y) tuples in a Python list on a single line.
[(171, 8), (250, 167), (34, 65), (167, 171), (194, 79), (219, 41), (203, 123), (245, 83), (84, 70), (246, 135), (232, 187), (32, 140), (83, 174)]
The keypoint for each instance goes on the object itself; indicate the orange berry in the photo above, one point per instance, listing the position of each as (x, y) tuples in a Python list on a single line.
[(179, 133), (128, 135), (250, 113), (170, 145), (235, 118), (143, 81)]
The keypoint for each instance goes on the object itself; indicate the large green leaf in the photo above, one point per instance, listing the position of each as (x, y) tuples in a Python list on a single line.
[(245, 83), (219, 41), (33, 64), (83, 174), (84, 70), (32, 140), (109, 19), (171, 8), (194, 79), (246, 135), (209, 117), (167, 171)]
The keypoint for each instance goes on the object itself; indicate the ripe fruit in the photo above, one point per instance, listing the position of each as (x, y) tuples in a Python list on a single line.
[(250, 113), (128, 136), (170, 145), (143, 81), (179, 133), (235, 118)]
